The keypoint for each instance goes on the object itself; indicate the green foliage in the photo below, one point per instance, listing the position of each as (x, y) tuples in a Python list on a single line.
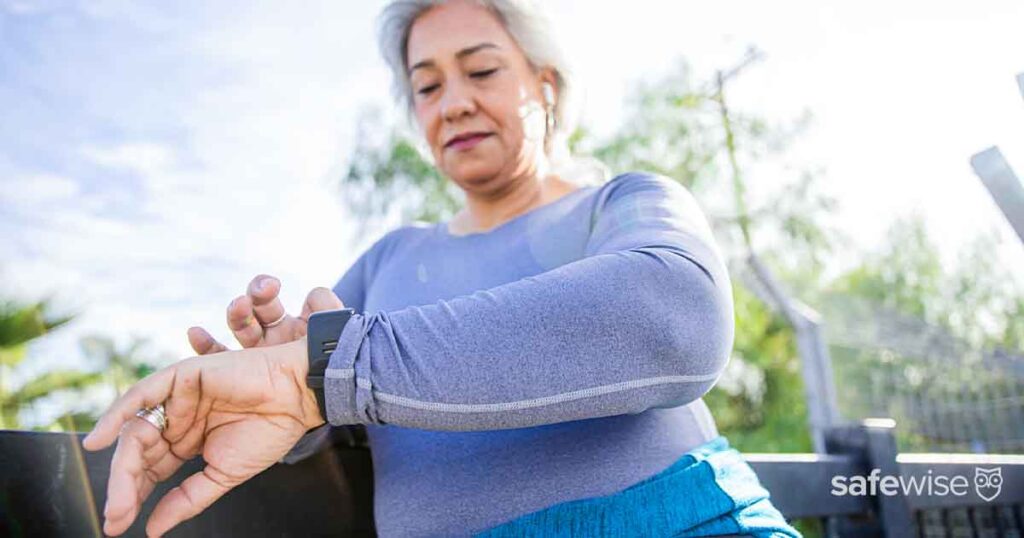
[(906, 275), (19, 325), (772, 417), (671, 129), (72, 421), (52, 381), (676, 129), (389, 174), (976, 301), (22, 323)]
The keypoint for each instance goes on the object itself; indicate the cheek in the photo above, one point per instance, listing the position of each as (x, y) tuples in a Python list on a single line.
[(428, 122), (521, 122), (533, 121), (528, 117)]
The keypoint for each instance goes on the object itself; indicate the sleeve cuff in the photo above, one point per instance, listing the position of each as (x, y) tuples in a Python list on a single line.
[(347, 387)]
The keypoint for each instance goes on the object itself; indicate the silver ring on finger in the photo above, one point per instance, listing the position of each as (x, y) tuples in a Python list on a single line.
[(276, 322), (155, 416)]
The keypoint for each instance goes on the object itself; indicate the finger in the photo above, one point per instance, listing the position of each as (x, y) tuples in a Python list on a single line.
[(242, 322), (161, 464), (128, 475), (203, 343), (320, 299), (148, 392), (183, 405), (264, 290), (187, 500)]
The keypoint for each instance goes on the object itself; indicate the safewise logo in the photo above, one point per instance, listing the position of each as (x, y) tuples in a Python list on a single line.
[(987, 482)]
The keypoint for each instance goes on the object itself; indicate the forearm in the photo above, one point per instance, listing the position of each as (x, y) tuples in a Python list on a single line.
[(609, 334)]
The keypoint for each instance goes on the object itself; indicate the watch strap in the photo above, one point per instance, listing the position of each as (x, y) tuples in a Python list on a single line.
[(323, 329)]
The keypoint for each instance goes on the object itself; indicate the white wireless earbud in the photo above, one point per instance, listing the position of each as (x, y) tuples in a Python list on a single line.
[(549, 94)]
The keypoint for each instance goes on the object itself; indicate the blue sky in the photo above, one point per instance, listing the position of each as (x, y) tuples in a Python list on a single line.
[(154, 156)]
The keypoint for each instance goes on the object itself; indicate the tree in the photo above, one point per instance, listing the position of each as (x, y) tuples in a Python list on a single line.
[(389, 174), (19, 325), (977, 300)]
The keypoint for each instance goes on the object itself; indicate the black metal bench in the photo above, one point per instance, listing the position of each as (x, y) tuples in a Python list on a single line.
[(50, 487), (801, 487)]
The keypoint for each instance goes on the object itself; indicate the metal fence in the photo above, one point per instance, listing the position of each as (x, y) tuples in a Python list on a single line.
[(945, 395), (860, 359)]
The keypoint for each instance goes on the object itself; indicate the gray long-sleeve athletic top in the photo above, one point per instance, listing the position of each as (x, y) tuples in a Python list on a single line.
[(559, 356)]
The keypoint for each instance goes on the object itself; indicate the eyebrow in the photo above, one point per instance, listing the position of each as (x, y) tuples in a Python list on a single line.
[(459, 55)]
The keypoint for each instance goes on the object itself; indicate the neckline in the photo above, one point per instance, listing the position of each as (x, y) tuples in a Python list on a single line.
[(442, 227)]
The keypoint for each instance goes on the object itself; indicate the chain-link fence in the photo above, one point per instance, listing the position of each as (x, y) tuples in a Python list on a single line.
[(946, 396)]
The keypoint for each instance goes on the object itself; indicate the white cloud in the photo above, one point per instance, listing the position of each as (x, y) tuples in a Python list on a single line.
[(146, 158), (38, 190)]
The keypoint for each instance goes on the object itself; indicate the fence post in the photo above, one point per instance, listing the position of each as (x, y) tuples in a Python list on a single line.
[(874, 442), (815, 363), (897, 518)]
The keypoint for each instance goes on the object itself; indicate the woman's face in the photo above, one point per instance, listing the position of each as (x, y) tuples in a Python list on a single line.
[(476, 98)]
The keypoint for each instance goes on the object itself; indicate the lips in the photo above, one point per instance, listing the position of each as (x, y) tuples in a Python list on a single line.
[(466, 139)]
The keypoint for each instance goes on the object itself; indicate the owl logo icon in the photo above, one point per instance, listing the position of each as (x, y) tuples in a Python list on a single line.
[(988, 482)]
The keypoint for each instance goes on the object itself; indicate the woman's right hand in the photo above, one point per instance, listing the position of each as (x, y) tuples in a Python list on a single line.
[(247, 315)]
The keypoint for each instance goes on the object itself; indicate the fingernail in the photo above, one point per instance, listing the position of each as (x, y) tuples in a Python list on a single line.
[(263, 283)]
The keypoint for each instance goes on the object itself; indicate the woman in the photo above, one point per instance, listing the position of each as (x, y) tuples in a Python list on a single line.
[(535, 366)]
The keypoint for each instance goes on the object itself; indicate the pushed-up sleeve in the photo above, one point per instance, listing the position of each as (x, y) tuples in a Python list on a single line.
[(643, 320)]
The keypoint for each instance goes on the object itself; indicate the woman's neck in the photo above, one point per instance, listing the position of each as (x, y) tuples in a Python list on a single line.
[(484, 213)]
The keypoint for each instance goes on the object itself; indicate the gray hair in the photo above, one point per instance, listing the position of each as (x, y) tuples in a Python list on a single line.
[(524, 20)]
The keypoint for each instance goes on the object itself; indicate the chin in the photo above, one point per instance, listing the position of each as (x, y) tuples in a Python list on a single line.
[(478, 177)]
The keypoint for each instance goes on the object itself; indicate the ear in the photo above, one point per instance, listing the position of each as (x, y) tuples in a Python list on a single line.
[(547, 75)]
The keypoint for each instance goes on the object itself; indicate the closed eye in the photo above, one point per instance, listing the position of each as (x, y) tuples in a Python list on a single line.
[(426, 90), (483, 74)]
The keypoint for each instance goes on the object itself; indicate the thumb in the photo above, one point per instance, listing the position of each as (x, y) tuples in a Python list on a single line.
[(320, 299), (203, 343)]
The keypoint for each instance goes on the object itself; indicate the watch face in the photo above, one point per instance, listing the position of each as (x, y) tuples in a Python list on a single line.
[(322, 333)]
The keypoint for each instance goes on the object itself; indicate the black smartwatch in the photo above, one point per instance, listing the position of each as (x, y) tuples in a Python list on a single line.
[(322, 333)]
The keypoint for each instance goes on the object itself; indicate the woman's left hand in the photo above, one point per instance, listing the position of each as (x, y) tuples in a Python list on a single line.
[(242, 410)]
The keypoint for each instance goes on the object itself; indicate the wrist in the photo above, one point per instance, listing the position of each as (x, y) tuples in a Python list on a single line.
[(310, 409), (296, 357)]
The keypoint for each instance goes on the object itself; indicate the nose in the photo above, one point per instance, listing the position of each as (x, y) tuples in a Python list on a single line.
[(456, 102)]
